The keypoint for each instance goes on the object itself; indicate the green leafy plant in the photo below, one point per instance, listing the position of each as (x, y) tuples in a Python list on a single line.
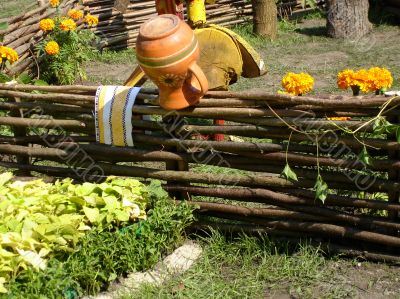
[(287, 172), (321, 189), (39, 220), (103, 255)]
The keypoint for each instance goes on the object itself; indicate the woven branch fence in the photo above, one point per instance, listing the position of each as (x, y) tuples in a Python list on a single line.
[(116, 30), (52, 132), (119, 30)]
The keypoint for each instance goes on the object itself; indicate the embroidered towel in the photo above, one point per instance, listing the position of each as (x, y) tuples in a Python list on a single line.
[(113, 114)]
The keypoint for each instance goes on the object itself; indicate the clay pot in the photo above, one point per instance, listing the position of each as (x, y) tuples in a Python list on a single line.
[(167, 51)]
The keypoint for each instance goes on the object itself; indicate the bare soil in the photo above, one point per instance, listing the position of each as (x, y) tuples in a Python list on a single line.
[(347, 279)]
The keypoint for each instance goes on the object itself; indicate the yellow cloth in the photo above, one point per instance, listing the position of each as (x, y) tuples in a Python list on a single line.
[(113, 114), (197, 12)]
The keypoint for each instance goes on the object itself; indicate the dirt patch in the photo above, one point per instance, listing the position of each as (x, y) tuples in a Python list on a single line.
[(105, 73), (347, 279)]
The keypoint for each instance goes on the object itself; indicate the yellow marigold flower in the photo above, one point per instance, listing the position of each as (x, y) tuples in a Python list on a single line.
[(46, 24), (297, 84), (91, 20), (381, 78), (54, 3), (9, 54), (75, 14), (52, 48), (345, 78), (68, 25)]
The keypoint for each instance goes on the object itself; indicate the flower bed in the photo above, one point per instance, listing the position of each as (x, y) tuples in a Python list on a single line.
[(70, 229)]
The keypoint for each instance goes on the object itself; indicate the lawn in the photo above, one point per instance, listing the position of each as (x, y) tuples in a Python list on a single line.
[(12, 8), (249, 267)]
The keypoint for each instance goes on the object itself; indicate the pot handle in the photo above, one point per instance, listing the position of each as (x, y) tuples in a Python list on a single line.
[(198, 73)]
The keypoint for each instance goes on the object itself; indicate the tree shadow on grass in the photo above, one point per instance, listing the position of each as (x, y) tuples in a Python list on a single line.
[(313, 31)]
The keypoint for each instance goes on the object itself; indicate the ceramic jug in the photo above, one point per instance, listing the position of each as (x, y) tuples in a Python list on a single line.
[(167, 51)]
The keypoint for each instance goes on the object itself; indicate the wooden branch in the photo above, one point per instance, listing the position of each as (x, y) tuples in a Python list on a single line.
[(299, 213), (43, 123), (251, 195), (327, 230)]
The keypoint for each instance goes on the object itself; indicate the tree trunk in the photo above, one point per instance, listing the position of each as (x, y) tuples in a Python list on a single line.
[(348, 18), (265, 18)]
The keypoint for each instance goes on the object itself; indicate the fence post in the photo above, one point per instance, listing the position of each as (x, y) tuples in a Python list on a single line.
[(394, 196), (176, 165), (20, 132)]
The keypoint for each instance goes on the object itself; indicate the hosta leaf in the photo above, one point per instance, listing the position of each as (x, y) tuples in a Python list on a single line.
[(92, 214), (32, 258), (91, 200), (85, 189), (84, 227), (112, 202), (2, 288), (121, 215), (5, 177), (134, 211), (5, 253)]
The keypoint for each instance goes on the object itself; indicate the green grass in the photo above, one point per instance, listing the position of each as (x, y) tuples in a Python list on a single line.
[(111, 56), (243, 267), (261, 267), (13, 8)]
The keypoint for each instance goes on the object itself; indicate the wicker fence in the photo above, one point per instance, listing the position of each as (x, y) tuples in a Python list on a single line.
[(119, 30), (52, 132)]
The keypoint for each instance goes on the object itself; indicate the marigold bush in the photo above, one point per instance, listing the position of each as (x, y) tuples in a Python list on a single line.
[(298, 84), (65, 47)]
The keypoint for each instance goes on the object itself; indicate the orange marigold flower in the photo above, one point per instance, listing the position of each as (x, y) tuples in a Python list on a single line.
[(68, 25), (345, 78), (52, 48), (381, 78), (75, 14), (54, 3), (362, 79), (297, 84), (91, 20), (340, 118), (9, 54), (46, 24)]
